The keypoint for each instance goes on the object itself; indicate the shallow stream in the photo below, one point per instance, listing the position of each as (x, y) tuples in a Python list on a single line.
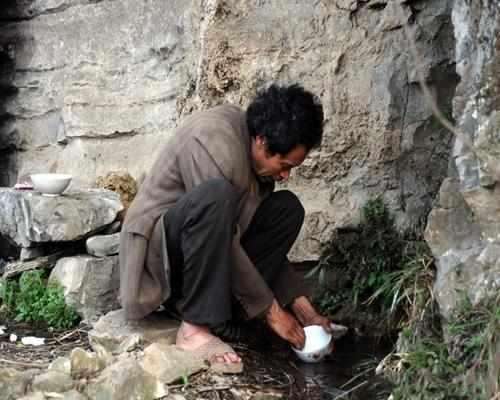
[(349, 373)]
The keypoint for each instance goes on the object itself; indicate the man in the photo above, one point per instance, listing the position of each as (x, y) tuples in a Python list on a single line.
[(206, 227)]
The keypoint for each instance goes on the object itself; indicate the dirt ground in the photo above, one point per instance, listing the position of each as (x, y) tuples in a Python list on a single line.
[(269, 369)]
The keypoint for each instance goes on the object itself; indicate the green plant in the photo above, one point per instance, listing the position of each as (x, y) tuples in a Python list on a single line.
[(330, 300), (33, 300), (185, 379), (465, 366), (377, 265), (409, 289), (8, 290), (53, 308), (29, 296)]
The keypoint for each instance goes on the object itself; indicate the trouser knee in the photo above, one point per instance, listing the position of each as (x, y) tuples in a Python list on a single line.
[(291, 206), (219, 191)]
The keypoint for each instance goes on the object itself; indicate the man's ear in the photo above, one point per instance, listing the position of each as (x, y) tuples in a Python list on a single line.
[(260, 140)]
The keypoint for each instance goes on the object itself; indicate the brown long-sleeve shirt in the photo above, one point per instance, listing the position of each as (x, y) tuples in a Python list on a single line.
[(209, 144)]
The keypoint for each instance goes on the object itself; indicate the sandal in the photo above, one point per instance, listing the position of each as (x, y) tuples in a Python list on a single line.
[(217, 348)]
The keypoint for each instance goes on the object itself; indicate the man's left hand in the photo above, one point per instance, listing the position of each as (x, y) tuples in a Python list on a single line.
[(307, 315)]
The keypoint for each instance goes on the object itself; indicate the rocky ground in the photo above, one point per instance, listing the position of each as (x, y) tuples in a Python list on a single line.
[(270, 371)]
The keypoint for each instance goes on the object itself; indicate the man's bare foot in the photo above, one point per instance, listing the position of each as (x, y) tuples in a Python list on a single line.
[(191, 337)]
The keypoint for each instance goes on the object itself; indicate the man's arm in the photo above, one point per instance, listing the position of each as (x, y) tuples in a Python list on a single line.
[(196, 165)]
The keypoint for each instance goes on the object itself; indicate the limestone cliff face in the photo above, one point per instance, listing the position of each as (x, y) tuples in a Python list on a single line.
[(464, 228), (100, 85)]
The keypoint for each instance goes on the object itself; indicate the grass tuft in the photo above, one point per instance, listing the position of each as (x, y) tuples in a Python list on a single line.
[(32, 299)]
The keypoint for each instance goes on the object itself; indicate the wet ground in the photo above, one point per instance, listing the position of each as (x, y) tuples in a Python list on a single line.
[(270, 366), (349, 373)]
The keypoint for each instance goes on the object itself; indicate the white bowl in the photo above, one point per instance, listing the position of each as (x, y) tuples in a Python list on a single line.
[(51, 184), (317, 346)]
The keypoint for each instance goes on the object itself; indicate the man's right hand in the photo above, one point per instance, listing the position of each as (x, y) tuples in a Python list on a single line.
[(285, 325)]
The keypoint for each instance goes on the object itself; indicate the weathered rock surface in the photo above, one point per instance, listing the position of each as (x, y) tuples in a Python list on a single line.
[(52, 381), (117, 335), (13, 383), (91, 284), (29, 218), (33, 396), (169, 363), (100, 85), (463, 230), (84, 363), (124, 380), (61, 364), (103, 245)]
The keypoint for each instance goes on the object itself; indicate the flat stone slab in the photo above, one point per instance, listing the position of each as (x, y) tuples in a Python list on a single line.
[(168, 363), (116, 335), (29, 218)]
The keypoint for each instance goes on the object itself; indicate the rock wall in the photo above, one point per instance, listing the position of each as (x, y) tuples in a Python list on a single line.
[(7, 92), (101, 85), (464, 229)]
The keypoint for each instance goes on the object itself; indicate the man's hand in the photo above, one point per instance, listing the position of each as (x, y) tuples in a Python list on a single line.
[(285, 325), (307, 315)]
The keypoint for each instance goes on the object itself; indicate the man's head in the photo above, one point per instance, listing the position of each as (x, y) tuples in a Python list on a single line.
[(285, 123)]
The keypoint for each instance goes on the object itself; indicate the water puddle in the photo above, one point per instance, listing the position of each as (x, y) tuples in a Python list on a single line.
[(349, 373)]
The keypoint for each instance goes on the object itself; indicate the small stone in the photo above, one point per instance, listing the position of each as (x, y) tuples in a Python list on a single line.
[(62, 364), (133, 342), (103, 245), (33, 396), (13, 383), (84, 364), (124, 379), (52, 381)]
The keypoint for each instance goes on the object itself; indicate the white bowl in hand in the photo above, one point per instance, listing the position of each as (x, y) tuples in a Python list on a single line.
[(50, 184), (318, 344)]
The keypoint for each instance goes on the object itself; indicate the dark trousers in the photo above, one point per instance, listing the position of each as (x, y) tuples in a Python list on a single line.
[(200, 230)]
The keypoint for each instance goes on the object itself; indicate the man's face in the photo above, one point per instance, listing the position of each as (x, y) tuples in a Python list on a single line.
[(276, 166)]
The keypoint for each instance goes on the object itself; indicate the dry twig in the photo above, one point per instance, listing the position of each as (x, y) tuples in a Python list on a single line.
[(23, 364)]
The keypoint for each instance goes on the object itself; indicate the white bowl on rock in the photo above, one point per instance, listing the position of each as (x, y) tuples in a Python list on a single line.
[(318, 344), (51, 184)]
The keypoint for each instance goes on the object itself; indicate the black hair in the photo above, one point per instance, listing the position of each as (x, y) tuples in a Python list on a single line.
[(286, 116)]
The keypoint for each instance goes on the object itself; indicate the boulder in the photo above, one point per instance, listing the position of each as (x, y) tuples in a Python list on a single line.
[(463, 229), (117, 335), (29, 218), (91, 284)]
